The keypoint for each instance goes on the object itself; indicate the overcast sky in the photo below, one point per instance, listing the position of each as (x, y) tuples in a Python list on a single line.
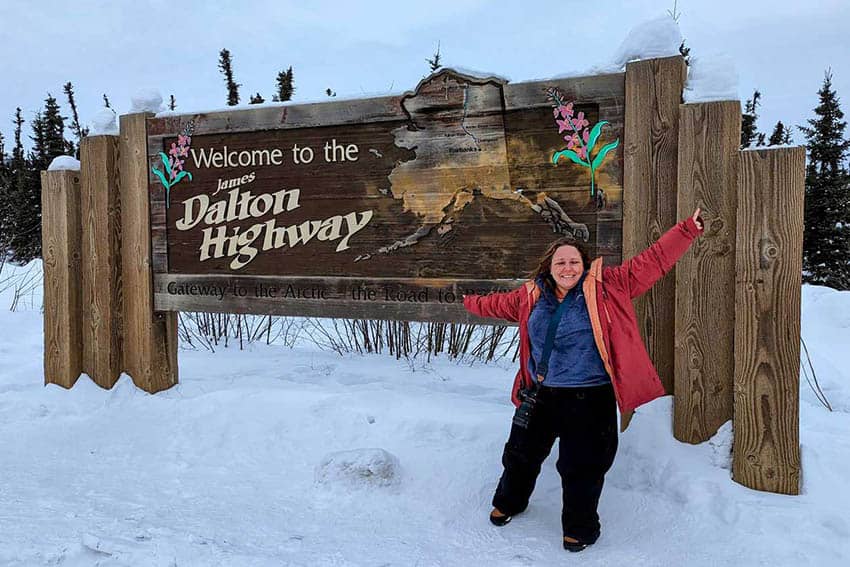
[(781, 47)]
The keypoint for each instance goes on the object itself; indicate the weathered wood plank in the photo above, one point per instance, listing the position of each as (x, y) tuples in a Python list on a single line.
[(710, 134), (411, 299), (769, 250), (60, 230), (594, 88), (653, 94), (284, 116), (150, 345), (101, 259)]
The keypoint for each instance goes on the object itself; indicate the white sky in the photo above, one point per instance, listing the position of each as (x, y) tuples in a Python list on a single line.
[(781, 47)]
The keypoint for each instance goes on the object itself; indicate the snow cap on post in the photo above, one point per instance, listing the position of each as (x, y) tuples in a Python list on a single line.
[(711, 78), (146, 100), (60, 163), (659, 37), (104, 123)]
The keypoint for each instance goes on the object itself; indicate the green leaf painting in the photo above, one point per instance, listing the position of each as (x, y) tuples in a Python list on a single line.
[(172, 171), (581, 139)]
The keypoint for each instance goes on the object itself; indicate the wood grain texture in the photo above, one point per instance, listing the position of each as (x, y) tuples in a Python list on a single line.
[(101, 259), (61, 250), (653, 95), (150, 345), (710, 134), (769, 250)]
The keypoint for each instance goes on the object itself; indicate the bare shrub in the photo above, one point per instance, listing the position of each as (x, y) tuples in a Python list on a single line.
[(212, 330)]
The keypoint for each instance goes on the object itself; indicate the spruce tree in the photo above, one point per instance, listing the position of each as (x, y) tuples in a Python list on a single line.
[(749, 130), (15, 215), (172, 103), (434, 62), (53, 125), (4, 198), (285, 86), (48, 128), (76, 128), (776, 136), (826, 240), (781, 135), (225, 65), (16, 175)]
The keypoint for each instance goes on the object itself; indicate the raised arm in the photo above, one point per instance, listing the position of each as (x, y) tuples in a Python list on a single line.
[(640, 273), (503, 305)]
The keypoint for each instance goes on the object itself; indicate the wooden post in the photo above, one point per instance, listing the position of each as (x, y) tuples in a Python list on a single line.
[(60, 233), (653, 95), (150, 346), (101, 259), (709, 138), (769, 252)]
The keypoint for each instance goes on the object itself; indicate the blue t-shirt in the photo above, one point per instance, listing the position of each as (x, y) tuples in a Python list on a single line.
[(575, 360)]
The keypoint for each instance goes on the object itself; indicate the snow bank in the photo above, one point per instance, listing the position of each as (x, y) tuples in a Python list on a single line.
[(359, 467), (64, 163), (256, 458)]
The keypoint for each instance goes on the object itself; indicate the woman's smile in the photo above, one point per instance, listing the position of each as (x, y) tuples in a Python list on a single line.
[(567, 267)]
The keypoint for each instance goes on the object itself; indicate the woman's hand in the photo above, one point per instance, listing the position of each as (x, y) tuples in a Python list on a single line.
[(697, 218)]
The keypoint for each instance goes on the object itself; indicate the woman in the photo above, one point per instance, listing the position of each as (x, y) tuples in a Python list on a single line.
[(568, 389)]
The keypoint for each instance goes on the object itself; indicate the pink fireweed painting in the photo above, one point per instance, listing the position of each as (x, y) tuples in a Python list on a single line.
[(581, 139), (173, 162)]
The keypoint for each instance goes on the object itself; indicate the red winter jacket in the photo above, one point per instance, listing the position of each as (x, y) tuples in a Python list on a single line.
[(608, 293)]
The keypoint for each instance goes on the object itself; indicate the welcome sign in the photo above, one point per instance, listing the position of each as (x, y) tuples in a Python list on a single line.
[(388, 207)]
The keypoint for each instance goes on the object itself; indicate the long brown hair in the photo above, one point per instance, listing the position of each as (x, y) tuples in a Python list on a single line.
[(544, 264)]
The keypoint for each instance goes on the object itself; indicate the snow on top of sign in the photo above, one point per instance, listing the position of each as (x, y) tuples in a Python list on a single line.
[(60, 163), (592, 71), (146, 100), (104, 123), (238, 107), (659, 37), (477, 74), (474, 73), (711, 78)]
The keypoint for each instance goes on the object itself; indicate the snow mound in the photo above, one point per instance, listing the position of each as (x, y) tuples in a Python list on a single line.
[(64, 163), (711, 78), (359, 467), (721, 446), (659, 37), (104, 123), (146, 100)]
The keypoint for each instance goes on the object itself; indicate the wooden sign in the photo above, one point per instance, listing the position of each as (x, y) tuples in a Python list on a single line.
[(387, 207)]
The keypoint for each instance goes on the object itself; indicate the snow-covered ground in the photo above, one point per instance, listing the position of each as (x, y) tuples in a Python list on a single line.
[(236, 466)]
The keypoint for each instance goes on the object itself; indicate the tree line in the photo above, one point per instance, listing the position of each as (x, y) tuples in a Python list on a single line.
[(826, 239)]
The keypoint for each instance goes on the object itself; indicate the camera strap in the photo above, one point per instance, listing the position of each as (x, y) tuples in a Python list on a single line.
[(543, 365)]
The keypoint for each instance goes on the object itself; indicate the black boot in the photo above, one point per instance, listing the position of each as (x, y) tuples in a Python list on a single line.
[(499, 519), (574, 546)]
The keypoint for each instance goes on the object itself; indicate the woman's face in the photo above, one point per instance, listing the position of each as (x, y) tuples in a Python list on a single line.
[(566, 268)]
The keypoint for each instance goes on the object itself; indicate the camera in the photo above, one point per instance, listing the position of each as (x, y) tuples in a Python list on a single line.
[(528, 399)]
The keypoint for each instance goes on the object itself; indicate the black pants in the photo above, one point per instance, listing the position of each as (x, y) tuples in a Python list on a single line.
[(585, 420)]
